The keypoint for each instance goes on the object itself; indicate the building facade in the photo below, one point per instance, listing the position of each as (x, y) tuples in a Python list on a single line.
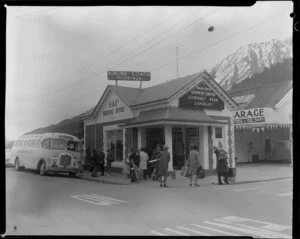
[(179, 113), (263, 123)]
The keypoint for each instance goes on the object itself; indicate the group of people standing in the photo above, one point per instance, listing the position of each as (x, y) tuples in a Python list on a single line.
[(97, 161), (138, 161)]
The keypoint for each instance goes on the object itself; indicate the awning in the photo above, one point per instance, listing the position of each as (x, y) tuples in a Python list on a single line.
[(172, 115), (262, 126)]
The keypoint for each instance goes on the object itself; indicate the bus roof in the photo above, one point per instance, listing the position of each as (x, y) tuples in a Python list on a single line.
[(48, 135)]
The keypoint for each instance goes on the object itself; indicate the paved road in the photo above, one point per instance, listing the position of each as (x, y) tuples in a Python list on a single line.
[(67, 206)]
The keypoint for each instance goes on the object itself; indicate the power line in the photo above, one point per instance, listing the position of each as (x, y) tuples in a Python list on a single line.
[(156, 44), (126, 44), (174, 25), (82, 80), (217, 42)]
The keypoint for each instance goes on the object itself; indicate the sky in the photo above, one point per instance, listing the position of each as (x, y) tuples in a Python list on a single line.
[(58, 57)]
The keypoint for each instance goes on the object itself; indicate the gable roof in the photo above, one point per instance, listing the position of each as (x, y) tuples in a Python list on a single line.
[(136, 97), (164, 90)]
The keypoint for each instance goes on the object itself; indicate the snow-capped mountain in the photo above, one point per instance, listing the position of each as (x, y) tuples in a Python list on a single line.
[(250, 59)]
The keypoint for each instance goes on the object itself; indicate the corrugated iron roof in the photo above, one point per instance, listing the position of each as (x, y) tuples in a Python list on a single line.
[(172, 114)]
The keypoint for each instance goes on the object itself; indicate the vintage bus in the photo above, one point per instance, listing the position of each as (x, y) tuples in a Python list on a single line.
[(54, 152)]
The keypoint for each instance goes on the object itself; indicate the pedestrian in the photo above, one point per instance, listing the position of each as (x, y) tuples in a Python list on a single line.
[(87, 161), (155, 157), (109, 160), (163, 165), (134, 164), (222, 163), (94, 163), (127, 166), (100, 161), (143, 162), (193, 164)]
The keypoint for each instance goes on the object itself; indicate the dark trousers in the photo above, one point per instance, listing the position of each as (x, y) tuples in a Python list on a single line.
[(102, 169), (225, 177), (94, 172), (145, 172)]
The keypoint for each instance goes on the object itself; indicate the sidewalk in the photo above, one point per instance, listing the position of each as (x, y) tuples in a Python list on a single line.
[(246, 173)]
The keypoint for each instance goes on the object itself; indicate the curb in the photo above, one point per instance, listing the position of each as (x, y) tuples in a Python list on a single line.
[(104, 181), (254, 181)]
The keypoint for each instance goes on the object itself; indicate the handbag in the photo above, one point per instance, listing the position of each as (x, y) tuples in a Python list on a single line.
[(185, 171), (200, 172)]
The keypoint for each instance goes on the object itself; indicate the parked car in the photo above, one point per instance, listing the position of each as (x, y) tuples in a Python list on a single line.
[(8, 162)]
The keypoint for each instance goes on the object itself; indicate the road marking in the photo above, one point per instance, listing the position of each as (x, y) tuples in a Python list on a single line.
[(246, 231), (215, 230), (111, 199), (158, 233), (177, 232), (245, 189), (267, 225), (284, 194), (263, 231), (194, 231), (97, 199)]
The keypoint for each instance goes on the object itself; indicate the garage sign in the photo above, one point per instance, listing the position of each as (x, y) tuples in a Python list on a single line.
[(256, 115)]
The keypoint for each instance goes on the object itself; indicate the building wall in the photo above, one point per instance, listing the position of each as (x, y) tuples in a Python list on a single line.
[(244, 136)]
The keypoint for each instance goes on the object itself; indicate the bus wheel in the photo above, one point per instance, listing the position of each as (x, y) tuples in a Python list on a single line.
[(42, 168), (17, 164), (73, 175)]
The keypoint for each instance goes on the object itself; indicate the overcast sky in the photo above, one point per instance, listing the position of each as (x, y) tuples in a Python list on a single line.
[(57, 57)]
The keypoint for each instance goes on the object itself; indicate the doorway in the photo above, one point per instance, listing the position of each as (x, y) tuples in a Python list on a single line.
[(154, 136), (178, 148)]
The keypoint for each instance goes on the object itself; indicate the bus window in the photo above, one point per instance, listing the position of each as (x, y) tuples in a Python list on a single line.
[(30, 143), (59, 144), (46, 144), (38, 142)]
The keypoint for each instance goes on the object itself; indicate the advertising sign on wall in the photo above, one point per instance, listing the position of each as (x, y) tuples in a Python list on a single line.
[(128, 76), (256, 115), (201, 97)]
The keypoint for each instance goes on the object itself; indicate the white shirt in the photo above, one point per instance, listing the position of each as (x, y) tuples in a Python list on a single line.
[(143, 160)]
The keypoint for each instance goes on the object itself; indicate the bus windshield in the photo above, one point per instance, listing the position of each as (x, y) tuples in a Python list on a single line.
[(73, 146)]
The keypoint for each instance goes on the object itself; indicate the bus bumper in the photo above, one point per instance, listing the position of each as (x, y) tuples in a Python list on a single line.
[(65, 170)]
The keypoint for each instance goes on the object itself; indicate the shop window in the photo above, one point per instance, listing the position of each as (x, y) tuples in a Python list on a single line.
[(192, 132), (218, 133), (115, 144)]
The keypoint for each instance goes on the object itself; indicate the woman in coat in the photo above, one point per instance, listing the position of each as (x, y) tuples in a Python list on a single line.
[(222, 163), (193, 165), (163, 165), (143, 162)]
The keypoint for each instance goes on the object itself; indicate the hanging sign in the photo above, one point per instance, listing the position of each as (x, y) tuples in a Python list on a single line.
[(128, 76), (201, 97), (256, 115)]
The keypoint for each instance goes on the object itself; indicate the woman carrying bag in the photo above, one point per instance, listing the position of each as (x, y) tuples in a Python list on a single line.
[(194, 165)]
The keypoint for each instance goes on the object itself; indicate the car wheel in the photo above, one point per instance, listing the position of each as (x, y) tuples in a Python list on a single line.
[(42, 169), (17, 164)]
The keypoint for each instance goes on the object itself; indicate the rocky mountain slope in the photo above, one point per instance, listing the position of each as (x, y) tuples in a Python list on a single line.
[(250, 59)]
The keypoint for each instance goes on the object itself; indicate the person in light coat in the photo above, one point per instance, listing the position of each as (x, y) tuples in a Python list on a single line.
[(163, 165), (143, 162), (194, 162)]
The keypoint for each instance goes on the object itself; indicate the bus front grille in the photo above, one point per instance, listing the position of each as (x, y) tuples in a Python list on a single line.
[(65, 160)]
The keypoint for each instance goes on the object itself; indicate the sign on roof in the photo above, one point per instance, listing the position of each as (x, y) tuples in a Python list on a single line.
[(256, 115), (128, 75), (201, 97)]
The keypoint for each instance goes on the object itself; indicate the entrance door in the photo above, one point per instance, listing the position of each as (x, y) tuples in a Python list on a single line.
[(192, 138), (178, 148), (154, 136)]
